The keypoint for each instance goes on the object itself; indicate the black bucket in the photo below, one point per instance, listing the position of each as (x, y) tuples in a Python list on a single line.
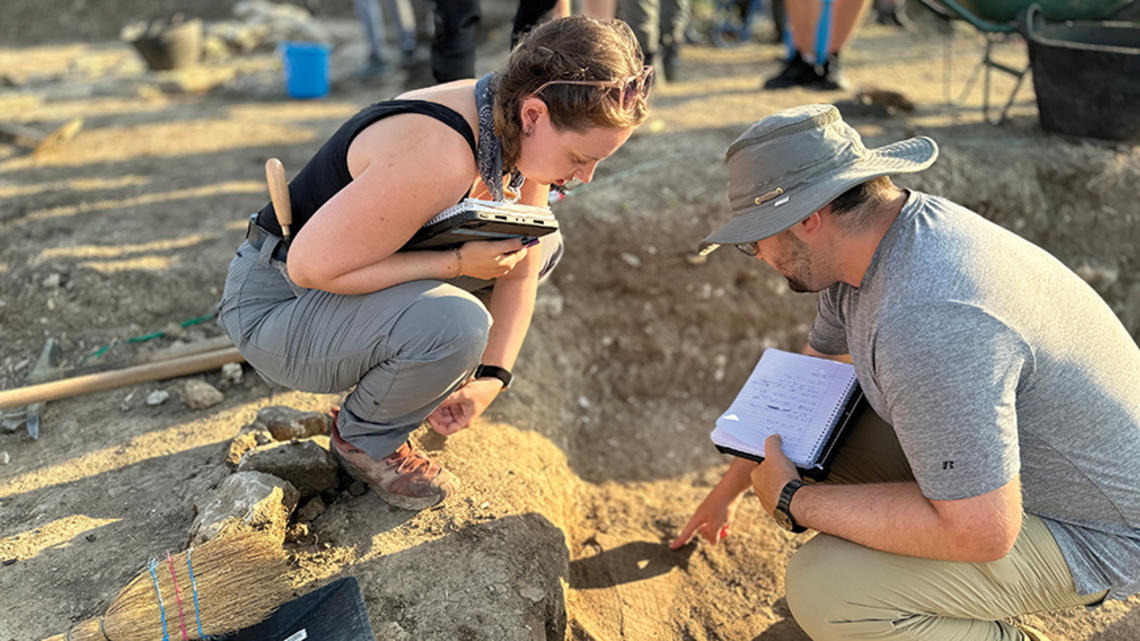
[(1087, 76), (173, 46)]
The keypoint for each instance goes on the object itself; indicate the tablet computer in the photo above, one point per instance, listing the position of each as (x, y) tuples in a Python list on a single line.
[(475, 219)]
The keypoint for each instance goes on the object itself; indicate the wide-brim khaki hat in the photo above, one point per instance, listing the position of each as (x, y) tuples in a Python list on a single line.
[(791, 164)]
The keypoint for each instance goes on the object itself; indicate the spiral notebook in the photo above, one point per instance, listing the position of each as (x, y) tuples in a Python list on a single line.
[(474, 219), (808, 401)]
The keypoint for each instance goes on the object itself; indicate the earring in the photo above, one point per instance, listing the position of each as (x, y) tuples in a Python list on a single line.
[(527, 131)]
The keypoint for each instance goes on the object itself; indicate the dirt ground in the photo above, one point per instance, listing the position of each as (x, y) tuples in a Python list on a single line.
[(127, 229)]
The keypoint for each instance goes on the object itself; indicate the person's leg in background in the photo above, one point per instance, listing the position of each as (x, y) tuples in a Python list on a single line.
[(847, 15), (803, 69), (404, 19), (530, 12), (840, 591), (644, 17), (892, 13), (600, 9), (674, 21), (802, 17), (372, 19), (453, 43)]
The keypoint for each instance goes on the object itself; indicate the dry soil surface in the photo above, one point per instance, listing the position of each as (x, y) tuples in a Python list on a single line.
[(127, 229)]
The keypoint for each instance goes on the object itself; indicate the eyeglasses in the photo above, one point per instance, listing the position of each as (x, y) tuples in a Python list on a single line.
[(752, 248), (631, 88)]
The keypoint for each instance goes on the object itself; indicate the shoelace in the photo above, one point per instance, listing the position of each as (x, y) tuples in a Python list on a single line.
[(408, 460)]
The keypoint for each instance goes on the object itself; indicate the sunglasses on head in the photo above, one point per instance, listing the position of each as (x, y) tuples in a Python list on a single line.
[(630, 89)]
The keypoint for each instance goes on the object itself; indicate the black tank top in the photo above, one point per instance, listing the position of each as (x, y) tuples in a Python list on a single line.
[(326, 173)]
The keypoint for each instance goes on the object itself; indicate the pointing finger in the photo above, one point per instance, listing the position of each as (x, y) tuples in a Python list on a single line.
[(685, 535)]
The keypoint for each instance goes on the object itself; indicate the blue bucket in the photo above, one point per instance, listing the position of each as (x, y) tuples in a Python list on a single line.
[(306, 69)]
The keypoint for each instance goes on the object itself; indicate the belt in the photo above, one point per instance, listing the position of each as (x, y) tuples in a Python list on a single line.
[(257, 236)]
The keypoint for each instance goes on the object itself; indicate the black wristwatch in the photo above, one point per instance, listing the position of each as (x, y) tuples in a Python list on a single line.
[(494, 371), (782, 513)]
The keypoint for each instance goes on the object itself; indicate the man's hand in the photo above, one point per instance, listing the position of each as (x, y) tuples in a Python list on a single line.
[(773, 474), (711, 520), (464, 405)]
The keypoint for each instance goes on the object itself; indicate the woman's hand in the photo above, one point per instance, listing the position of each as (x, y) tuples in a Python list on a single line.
[(490, 259), (465, 404)]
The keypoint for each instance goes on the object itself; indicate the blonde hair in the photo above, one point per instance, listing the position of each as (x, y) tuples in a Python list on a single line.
[(572, 48)]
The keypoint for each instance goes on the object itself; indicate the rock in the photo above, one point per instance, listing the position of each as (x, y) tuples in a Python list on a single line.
[(173, 331), (549, 301), (512, 567), (391, 631), (157, 397), (1099, 277), (631, 259), (12, 424), (280, 21), (305, 464), (248, 438), (530, 592), (286, 423), (198, 394), (232, 372), (4, 458), (312, 508), (195, 80), (261, 500), (53, 281)]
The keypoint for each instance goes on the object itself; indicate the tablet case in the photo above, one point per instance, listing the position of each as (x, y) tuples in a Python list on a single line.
[(475, 219)]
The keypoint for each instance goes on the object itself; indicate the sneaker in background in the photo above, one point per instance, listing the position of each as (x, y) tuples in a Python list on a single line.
[(796, 73), (830, 76)]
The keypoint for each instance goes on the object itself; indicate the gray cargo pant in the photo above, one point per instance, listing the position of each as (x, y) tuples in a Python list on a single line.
[(405, 348)]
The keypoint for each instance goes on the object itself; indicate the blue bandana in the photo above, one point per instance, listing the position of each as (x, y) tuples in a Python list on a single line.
[(490, 148)]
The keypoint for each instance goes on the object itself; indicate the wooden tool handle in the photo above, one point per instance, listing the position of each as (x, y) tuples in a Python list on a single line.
[(118, 378), (279, 194)]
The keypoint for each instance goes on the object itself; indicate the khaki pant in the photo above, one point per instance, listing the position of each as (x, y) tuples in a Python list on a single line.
[(842, 590)]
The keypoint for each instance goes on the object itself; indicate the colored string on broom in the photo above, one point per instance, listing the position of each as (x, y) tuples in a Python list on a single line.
[(177, 597), (152, 566), (161, 606), (194, 591)]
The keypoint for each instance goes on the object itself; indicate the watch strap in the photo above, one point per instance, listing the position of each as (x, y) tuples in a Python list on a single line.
[(494, 371), (784, 503)]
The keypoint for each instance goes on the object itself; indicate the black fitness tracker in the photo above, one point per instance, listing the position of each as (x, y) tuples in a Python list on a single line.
[(494, 371)]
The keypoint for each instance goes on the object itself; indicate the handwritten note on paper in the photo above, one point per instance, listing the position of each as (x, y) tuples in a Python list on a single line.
[(796, 396)]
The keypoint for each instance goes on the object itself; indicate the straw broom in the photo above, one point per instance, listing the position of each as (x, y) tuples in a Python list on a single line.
[(239, 579)]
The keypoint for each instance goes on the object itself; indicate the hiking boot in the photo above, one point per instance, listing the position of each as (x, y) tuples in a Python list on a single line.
[(405, 478), (797, 72), (830, 76)]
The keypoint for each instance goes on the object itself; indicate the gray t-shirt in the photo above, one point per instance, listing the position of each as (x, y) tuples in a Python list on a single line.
[(991, 359)]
